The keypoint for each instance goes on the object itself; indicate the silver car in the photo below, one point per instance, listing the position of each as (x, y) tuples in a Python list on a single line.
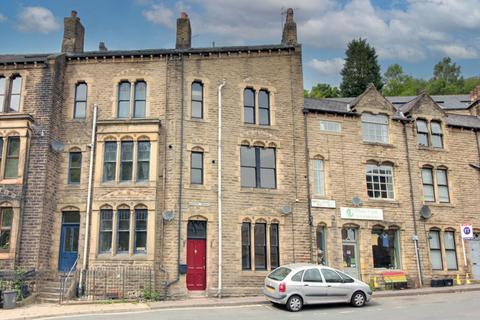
[(295, 285)]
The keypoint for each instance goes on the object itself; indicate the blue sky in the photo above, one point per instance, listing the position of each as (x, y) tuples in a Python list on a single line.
[(414, 33)]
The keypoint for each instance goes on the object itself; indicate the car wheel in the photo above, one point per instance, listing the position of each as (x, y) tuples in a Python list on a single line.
[(294, 303), (358, 299)]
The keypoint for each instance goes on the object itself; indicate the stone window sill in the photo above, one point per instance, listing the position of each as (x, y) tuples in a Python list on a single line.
[(391, 202), (439, 205), (431, 149), (260, 126), (379, 144)]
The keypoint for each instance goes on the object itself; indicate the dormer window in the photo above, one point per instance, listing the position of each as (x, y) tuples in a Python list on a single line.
[(375, 128), (432, 137)]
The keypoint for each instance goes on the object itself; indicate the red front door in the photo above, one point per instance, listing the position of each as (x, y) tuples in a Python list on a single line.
[(196, 262)]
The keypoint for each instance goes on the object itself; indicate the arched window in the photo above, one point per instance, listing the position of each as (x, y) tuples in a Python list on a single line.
[(197, 100), (321, 245), (80, 105), (196, 167), (106, 229), (442, 185), (6, 219), (260, 238), (140, 99), (12, 157), (318, 177), (249, 106), (437, 134), (126, 160), (123, 99), (435, 249), (264, 107), (274, 246), (428, 189), (143, 160), (15, 91), (74, 166), (450, 249), (141, 215), (246, 246), (123, 230), (109, 161)]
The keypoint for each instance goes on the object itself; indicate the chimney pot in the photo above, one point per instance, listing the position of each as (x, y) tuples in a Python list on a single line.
[(184, 32), (289, 36), (73, 13)]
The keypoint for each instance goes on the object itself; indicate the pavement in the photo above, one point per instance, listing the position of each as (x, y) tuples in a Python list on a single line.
[(36, 311)]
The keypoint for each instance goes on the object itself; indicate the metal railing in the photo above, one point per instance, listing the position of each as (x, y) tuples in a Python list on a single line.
[(64, 280)]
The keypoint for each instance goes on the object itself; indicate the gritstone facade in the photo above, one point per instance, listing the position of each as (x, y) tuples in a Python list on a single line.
[(200, 170)]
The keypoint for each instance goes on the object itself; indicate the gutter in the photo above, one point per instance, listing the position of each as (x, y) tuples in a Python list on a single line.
[(412, 200), (219, 187), (89, 199)]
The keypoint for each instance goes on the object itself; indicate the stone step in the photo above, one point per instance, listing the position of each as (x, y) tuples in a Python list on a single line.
[(54, 300)]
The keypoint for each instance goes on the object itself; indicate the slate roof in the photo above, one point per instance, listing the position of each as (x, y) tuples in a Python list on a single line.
[(24, 58), (342, 106)]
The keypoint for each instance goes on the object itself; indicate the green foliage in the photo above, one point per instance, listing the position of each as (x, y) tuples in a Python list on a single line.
[(447, 79), (322, 90), (150, 295), (360, 69), (15, 285)]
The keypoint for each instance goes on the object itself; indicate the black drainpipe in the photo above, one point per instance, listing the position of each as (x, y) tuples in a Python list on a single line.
[(309, 197), (180, 183), (415, 236)]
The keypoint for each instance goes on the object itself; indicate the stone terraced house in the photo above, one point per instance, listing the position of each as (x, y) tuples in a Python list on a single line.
[(197, 171)]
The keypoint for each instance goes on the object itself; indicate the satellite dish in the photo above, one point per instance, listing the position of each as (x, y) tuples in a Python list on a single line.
[(286, 209), (167, 215), (57, 146), (356, 201), (425, 212)]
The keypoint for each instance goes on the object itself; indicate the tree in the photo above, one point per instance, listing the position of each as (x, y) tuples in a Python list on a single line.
[(399, 84), (447, 70), (322, 90), (360, 69)]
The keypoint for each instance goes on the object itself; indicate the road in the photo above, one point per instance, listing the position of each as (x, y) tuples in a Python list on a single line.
[(435, 306)]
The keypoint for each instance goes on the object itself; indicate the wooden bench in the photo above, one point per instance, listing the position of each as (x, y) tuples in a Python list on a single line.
[(396, 279)]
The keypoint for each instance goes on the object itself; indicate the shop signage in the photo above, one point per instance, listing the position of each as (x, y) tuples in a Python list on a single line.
[(361, 213), (322, 203), (467, 231)]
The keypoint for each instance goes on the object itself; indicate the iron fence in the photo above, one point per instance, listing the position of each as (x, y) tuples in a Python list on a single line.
[(119, 282)]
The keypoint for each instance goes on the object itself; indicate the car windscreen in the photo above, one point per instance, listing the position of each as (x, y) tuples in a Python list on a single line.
[(279, 274)]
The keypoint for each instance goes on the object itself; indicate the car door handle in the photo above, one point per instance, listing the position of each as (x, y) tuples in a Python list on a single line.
[(329, 286), (306, 285)]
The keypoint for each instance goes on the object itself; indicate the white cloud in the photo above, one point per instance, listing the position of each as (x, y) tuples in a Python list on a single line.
[(161, 15), (327, 67), (37, 19), (2, 18), (456, 51)]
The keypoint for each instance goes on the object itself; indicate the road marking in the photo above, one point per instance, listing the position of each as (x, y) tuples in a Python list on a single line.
[(108, 313), (344, 312)]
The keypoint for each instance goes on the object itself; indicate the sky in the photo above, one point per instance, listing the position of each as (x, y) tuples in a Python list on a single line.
[(413, 33)]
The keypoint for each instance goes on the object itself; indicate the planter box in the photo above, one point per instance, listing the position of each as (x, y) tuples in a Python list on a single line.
[(437, 283)]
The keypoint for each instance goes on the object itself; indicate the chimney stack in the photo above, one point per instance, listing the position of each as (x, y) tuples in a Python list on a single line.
[(184, 32), (289, 36), (73, 34)]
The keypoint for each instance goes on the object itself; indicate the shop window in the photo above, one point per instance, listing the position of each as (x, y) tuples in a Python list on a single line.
[(422, 133), (274, 246), (6, 218), (196, 168), (258, 167), (375, 128), (126, 160), (246, 246), (141, 230), (143, 160), (435, 250), (109, 161), (450, 250), (123, 231), (123, 99), (12, 156), (318, 177), (140, 99), (321, 246), (249, 106), (74, 167), (106, 224), (197, 100), (263, 107), (379, 181), (80, 104), (260, 238), (385, 248), (437, 134), (428, 189)]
